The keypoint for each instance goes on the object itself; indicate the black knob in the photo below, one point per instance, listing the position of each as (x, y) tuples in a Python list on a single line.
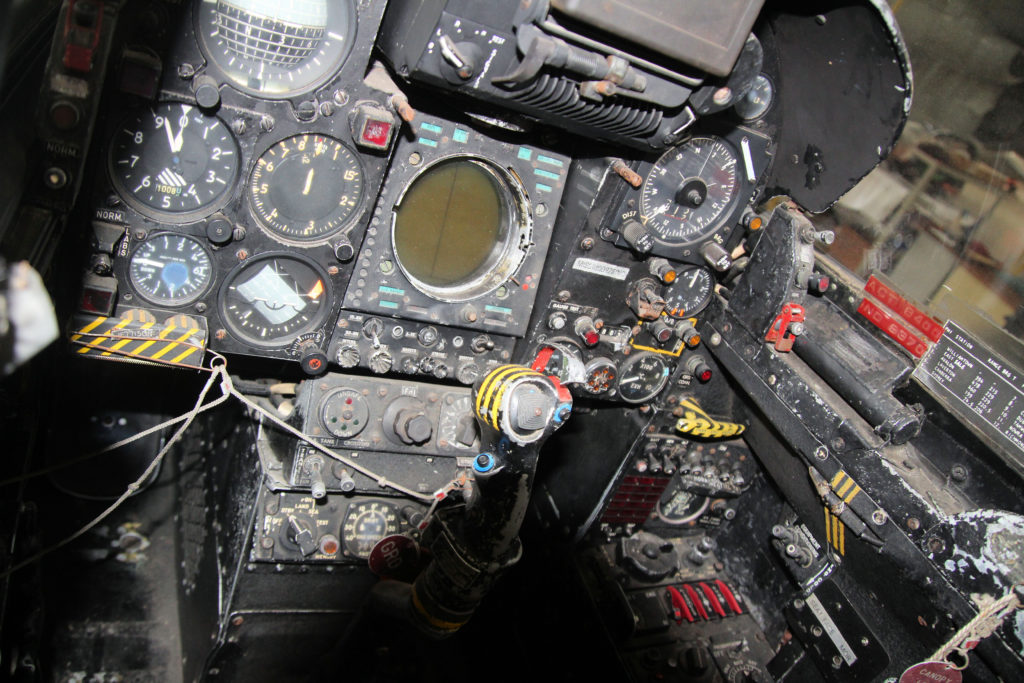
[(312, 359), (206, 92), (219, 230), (413, 428), (637, 236), (343, 250)]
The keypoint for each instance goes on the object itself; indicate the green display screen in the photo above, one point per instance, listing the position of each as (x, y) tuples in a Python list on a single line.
[(451, 221)]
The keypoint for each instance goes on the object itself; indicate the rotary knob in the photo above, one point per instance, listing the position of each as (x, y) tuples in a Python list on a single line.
[(347, 355), (413, 427), (381, 361)]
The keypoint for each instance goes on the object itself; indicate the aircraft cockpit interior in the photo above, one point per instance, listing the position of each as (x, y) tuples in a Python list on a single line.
[(423, 340)]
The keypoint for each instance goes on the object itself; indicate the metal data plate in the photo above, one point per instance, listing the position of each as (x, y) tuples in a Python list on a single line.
[(141, 335)]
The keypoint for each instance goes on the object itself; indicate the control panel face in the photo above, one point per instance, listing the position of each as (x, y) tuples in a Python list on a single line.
[(419, 435), (461, 230)]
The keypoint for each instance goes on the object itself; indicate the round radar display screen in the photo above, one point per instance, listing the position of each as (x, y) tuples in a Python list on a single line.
[(461, 228), (170, 270), (173, 162), (690, 190), (276, 49), (306, 187), (272, 299)]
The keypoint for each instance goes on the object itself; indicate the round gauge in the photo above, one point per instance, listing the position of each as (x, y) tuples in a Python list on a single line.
[(366, 523), (344, 413), (276, 49), (461, 228), (600, 375), (681, 507), (173, 162), (689, 190), (306, 187), (272, 299), (642, 377), (561, 360), (689, 293), (170, 270), (457, 428)]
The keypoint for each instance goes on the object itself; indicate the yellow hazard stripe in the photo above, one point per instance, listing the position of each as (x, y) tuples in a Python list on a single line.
[(183, 355), (88, 328), (121, 325), (501, 393), (828, 527), (836, 480), (172, 345), (842, 538), (489, 385), (853, 494), (841, 491)]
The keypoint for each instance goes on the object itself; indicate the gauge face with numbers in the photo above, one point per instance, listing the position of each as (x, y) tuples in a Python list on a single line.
[(690, 190), (272, 299), (170, 269), (690, 292), (366, 523), (173, 163), (306, 187), (642, 377)]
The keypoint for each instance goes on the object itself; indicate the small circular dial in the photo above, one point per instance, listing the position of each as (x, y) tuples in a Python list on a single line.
[(170, 270), (344, 413), (679, 507), (600, 375), (276, 49), (173, 162), (689, 293), (274, 298), (366, 523), (642, 377), (689, 190), (306, 187)]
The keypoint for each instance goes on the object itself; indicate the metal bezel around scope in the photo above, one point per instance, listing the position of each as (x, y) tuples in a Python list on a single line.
[(508, 250), (324, 61)]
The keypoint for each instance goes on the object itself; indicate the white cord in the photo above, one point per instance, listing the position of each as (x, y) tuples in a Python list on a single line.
[(227, 390), (219, 371), (990, 617)]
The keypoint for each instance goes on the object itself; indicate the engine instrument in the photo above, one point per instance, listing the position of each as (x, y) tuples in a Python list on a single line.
[(275, 49), (689, 190), (273, 298), (642, 377), (174, 163), (170, 269), (306, 187), (689, 293)]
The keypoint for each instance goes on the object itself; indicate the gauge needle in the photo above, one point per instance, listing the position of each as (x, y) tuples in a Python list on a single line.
[(150, 262), (309, 181), (170, 135), (627, 380)]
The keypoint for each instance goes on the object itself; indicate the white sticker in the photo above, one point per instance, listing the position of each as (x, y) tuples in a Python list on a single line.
[(831, 629), (588, 265)]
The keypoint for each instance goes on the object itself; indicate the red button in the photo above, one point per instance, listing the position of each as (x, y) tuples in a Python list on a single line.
[(376, 132)]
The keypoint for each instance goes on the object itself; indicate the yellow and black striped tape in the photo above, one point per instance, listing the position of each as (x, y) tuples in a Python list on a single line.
[(696, 422), (835, 532), (492, 390), (844, 487), (178, 340)]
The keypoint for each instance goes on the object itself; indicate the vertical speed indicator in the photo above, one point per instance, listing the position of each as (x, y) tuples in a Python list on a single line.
[(170, 270), (173, 163)]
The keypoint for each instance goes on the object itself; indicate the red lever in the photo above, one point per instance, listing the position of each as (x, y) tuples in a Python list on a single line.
[(680, 608), (730, 599), (696, 602), (713, 599), (780, 333)]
